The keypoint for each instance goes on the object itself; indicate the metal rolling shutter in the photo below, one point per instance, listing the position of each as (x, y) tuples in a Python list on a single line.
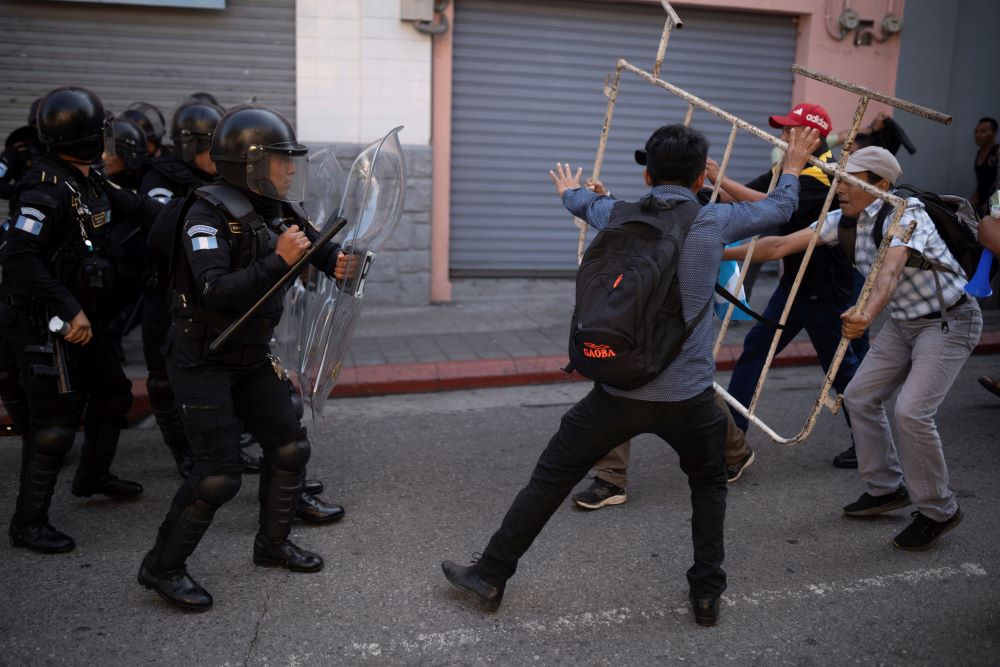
[(158, 55), (527, 93)]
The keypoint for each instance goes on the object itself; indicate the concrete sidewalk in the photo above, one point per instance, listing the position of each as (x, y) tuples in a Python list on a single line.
[(506, 332), (494, 333), (515, 336)]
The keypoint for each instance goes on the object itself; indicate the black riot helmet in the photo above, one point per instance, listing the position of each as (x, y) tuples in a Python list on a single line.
[(72, 122), (33, 113), (192, 127), (130, 142), (255, 148), (208, 98), (149, 118)]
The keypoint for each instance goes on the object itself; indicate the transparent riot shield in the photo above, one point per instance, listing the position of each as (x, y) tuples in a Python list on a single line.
[(373, 205), (305, 296)]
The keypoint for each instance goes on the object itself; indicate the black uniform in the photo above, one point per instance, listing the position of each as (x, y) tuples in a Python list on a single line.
[(226, 263), (21, 150), (128, 249), (167, 177), (55, 262)]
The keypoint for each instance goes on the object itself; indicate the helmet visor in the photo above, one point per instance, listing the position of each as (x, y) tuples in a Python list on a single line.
[(278, 173), (190, 144)]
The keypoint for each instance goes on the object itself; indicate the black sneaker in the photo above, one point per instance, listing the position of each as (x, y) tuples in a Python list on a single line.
[(869, 505), (599, 494), (734, 472), (922, 533), (846, 459)]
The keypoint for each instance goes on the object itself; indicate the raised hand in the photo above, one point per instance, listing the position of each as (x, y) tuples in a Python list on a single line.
[(564, 178)]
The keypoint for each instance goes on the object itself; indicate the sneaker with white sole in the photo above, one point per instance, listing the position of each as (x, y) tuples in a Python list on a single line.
[(734, 472), (600, 494)]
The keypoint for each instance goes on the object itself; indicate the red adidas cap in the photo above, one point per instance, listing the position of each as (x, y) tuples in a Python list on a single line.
[(808, 115)]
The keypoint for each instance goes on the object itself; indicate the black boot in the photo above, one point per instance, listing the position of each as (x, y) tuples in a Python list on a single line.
[(163, 570), (108, 485), (282, 477), (467, 578), (313, 487), (285, 554), (40, 537), (175, 586), (313, 509), (100, 443), (29, 527)]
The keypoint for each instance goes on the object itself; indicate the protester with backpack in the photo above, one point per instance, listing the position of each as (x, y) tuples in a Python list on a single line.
[(932, 329), (640, 330), (827, 290)]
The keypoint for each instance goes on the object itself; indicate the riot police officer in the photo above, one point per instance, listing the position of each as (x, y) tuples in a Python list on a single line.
[(55, 266), (21, 149), (124, 167), (173, 175), (151, 120), (224, 262)]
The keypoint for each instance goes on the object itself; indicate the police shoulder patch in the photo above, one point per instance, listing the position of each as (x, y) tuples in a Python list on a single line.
[(203, 242), (202, 229), (162, 195), (30, 221)]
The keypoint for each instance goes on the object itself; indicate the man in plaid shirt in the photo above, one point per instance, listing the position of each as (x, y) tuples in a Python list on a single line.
[(933, 328)]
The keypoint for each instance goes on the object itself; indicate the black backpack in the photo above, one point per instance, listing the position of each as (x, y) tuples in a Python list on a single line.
[(954, 218), (628, 323)]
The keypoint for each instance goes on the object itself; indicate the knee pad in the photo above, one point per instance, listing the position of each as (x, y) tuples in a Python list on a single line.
[(53, 441), (160, 392), (219, 487), (292, 454)]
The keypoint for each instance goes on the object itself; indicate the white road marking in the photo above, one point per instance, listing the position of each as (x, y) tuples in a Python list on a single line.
[(432, 642)]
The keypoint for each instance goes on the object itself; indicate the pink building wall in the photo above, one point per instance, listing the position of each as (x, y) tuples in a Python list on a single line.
[(873, 66)]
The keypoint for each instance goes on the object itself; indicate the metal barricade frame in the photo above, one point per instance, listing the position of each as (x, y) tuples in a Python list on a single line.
[(836, 173)]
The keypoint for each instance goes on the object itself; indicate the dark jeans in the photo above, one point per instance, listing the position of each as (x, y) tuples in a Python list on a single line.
[(695, 428), (820, 319)]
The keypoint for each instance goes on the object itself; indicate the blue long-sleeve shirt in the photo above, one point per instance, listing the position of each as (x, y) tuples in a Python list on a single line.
[(693, 370)]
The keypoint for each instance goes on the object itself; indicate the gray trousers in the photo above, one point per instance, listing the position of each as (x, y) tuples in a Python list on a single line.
[(922, 361)]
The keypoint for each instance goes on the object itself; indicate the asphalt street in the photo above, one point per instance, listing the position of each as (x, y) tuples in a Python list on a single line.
[(428, 477)]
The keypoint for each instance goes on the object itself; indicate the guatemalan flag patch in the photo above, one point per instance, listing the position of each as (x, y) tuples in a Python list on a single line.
[(203, 237), (30, 220), (204, 243)]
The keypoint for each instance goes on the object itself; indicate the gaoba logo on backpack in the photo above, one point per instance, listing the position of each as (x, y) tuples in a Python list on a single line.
[(597, 351)]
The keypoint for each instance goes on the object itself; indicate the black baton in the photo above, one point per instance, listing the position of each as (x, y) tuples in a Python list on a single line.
[(327, 234)]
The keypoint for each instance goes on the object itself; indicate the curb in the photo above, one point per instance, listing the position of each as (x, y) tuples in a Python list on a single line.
[(487, 373), (386, 379)]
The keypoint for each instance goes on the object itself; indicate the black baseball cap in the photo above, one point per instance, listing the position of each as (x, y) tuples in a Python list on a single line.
[(674, 153)]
